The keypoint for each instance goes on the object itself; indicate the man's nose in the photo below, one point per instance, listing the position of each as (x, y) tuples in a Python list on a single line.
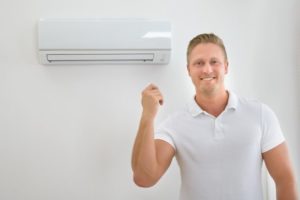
[(207, 68)]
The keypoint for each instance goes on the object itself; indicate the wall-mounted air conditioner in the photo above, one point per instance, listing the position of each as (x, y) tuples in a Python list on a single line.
[(104, 41)]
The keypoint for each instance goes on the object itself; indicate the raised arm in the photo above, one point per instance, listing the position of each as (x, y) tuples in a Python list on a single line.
[(150, 158), (280, 168)]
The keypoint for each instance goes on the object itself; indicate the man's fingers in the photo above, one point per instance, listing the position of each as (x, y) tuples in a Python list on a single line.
[(158, 96), (151, 86), (153, 90)]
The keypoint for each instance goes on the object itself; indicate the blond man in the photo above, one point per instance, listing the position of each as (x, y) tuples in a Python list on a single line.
[(220, 140)]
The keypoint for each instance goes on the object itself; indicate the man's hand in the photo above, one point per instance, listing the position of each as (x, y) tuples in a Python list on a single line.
[(151, 99)]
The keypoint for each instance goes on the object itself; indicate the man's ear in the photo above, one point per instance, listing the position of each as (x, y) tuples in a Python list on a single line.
[(188, 69), (226, 67)]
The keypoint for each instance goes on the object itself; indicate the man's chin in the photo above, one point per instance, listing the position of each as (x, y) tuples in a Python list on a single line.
[(208, 91)]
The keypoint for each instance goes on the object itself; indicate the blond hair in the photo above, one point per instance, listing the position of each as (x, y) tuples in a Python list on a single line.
[(203, 39)]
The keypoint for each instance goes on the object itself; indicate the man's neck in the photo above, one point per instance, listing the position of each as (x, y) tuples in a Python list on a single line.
[(214, 104)]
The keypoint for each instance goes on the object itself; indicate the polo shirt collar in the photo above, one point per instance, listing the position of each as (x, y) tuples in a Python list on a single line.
[(232, 101), (195, 109)]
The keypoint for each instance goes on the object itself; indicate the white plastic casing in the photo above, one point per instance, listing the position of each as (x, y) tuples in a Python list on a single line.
[(104, 41)]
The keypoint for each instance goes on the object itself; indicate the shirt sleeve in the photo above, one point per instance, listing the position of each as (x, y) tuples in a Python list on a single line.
[(163, 133), (272, 134)]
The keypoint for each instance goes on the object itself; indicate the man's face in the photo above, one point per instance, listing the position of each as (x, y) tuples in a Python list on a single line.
[(207, 68)]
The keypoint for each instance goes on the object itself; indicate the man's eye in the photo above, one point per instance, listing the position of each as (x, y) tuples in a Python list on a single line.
[(199, 63), (214, 62)]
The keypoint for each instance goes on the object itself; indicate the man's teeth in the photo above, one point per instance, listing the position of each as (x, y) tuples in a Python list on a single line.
[(208, 78)]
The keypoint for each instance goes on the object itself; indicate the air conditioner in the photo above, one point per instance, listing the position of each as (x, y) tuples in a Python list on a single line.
[(104, 41)]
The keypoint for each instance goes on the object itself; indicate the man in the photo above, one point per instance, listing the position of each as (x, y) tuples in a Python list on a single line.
[(220, 140)]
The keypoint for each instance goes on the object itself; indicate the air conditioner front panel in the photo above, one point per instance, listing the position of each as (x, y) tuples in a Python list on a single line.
[(105, 34)]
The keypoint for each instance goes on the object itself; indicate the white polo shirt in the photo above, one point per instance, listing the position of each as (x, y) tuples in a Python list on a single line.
[(220, 158)]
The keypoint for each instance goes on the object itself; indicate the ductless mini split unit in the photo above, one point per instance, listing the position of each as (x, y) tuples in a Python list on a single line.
[(104, 41)]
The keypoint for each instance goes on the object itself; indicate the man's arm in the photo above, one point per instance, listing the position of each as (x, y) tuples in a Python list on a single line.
[(280, 168), (150, 158)]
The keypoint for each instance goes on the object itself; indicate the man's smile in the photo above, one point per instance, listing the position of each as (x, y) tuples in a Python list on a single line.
[(207, 78)]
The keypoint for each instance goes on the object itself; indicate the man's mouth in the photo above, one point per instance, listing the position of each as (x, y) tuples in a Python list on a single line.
[(207, 78)]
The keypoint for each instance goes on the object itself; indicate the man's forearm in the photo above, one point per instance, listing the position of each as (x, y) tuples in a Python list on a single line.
[(144, 155)]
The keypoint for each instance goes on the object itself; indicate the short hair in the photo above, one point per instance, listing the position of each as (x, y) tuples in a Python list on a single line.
[(203, 39)]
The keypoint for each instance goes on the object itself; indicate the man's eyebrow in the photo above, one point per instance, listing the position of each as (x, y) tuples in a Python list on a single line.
[(197, 60)]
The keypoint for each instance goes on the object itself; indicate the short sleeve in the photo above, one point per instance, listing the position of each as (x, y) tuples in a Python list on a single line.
[(272, 134), (163, 133)]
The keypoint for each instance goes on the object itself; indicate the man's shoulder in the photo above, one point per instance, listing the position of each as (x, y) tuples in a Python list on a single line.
[(177, 116), (249, 102), (252, 104)]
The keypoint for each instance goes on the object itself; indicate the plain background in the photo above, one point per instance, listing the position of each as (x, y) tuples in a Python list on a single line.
[(66, 132)]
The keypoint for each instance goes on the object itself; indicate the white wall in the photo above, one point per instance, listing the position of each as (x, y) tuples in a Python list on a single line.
[(66, 132)]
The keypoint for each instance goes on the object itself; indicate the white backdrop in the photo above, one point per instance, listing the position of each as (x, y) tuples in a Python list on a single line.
[(66, 132)]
